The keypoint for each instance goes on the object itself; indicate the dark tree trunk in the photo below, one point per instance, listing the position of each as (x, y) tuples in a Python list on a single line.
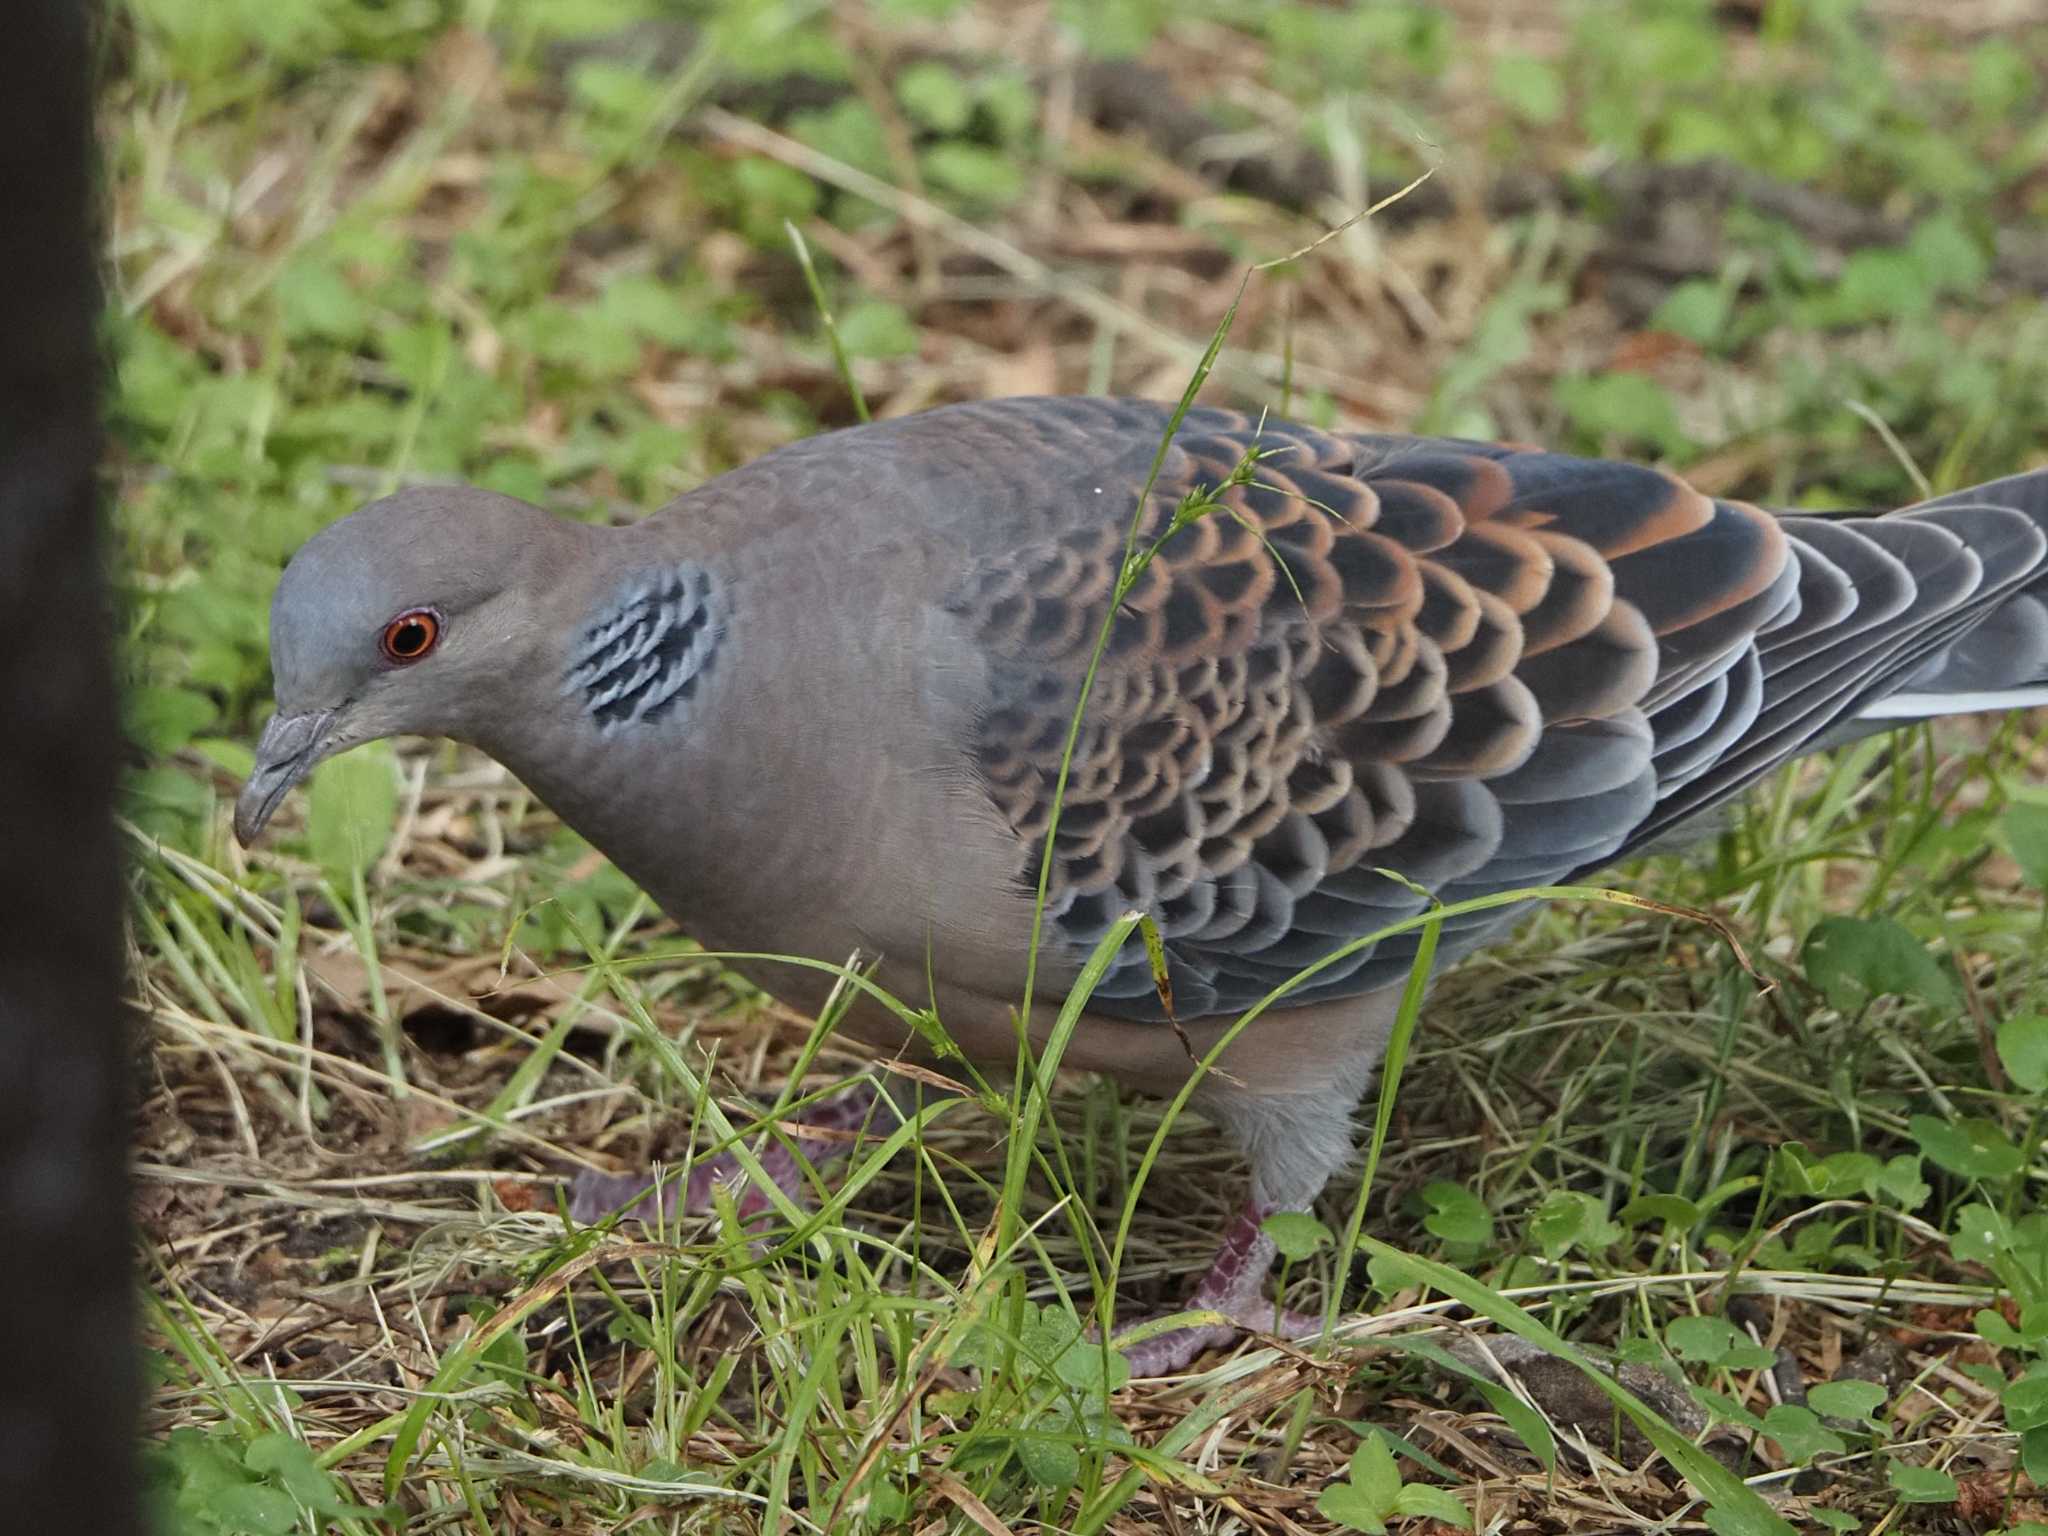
[(67, 1355)]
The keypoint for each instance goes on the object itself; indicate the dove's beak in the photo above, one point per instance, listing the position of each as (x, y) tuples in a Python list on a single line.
[(285, 754)]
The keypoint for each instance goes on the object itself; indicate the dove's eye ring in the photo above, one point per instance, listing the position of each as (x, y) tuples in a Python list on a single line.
[(411, 635)]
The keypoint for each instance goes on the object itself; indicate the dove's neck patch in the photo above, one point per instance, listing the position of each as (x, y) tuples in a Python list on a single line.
[(644, 653)]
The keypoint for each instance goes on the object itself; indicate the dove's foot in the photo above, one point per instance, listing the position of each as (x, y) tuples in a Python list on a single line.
[(1235, 1287)]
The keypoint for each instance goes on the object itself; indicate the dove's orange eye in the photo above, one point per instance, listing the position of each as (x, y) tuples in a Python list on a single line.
[(411, 635)]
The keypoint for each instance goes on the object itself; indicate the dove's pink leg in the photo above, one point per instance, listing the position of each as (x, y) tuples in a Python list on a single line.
[(594, 1196), (1294, 1129), (1234, 1286)]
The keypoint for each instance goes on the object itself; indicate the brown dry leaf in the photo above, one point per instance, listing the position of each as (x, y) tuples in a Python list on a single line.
[(543, 427), (1032, 370), (346, 976), (465, 61), (519, 1195), (969, 1504), (1647, 351), (926, 1076), (467, 984), (420, 1116), (1980, 1499), (1573, 1403), (483, 347)]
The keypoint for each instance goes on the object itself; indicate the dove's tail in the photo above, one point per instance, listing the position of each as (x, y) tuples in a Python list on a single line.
[(2001, 660)]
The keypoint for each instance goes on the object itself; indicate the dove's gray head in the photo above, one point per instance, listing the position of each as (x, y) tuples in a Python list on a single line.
[(406, 617)]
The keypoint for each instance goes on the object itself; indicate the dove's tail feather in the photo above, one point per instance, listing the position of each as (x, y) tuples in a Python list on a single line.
[(1925, 704), (2001, 662), (1936, 609)]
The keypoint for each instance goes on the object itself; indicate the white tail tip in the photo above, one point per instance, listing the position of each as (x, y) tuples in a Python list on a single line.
[(1907, 705)]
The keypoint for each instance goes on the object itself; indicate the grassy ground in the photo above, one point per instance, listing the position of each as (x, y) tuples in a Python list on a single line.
[(1795, 248)]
